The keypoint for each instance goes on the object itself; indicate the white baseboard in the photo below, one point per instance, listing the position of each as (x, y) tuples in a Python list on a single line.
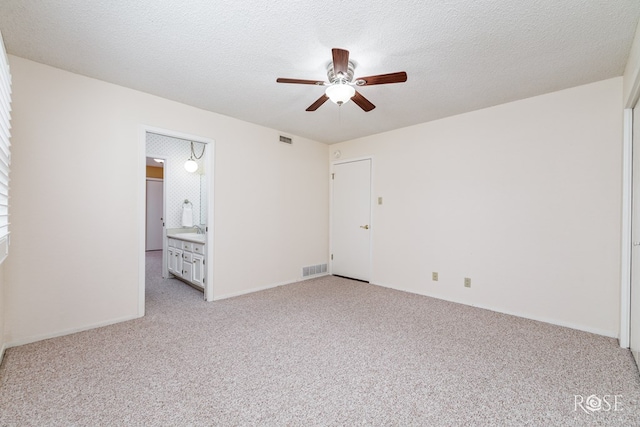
[(264, 288), (34, 338), (597, 331)]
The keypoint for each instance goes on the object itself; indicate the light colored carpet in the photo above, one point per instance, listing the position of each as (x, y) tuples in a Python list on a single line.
[(327, 351)]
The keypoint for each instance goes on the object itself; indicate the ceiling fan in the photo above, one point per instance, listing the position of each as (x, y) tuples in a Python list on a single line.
[(341, 84)]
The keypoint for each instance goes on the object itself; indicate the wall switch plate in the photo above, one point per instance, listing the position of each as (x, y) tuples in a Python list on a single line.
[(379, 200), (467, 282), (434, 276)]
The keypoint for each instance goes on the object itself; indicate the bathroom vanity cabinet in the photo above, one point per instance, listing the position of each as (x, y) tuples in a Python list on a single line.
[(186, 260)]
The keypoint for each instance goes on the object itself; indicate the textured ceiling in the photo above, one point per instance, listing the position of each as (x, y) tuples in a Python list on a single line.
[(225, 56)]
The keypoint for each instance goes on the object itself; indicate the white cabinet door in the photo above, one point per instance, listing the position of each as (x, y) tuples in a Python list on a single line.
[(175, 261), (171, 261), (187, 271), (198, 270)]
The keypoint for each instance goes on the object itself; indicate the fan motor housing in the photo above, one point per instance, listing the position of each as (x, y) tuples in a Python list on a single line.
[(333, 78)]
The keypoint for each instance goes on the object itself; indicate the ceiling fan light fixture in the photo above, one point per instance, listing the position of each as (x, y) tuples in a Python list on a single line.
[(341, 85), (340, 93)]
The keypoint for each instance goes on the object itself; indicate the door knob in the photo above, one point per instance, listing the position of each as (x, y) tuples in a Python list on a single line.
[(366, 227)]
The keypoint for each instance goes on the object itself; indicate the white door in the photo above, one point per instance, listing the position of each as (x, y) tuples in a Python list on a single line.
[(351, 220), (634, 324), (197, 272), (155, 226)]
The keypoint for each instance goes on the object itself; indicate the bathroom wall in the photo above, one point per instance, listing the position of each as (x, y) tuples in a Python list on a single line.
[(180, 184)]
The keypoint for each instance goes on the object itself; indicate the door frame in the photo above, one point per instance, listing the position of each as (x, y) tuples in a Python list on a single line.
[(210, 163), (371, 216), (627, 209), (625, 240)]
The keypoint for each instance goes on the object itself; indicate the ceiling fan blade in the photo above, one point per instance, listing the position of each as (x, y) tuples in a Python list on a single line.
[(300, 81), (318, 103), (340, 61), (362, 102), (382, 79)]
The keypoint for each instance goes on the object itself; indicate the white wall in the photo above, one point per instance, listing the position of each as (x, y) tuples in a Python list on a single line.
[(523, 198), (74, 255)]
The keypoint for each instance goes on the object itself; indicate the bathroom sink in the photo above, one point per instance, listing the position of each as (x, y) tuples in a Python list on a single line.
[(193, 237)]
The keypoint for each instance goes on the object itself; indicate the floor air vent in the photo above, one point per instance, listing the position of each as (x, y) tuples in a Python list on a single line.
[(286, 139), (313, 270)]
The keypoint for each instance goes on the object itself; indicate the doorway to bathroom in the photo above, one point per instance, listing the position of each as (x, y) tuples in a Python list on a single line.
[(186, 162), (154, 207)]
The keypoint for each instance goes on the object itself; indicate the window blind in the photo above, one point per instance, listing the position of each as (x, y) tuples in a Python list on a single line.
[(5, 152)]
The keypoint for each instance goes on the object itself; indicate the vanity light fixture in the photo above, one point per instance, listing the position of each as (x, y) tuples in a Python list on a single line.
[(158, 160), (191, 165)]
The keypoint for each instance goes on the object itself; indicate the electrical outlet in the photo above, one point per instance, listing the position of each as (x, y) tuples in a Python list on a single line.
[(434, 276), (467, 282)]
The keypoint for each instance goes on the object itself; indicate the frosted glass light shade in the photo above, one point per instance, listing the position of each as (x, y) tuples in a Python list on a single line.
[(191, 165), (340, 93)]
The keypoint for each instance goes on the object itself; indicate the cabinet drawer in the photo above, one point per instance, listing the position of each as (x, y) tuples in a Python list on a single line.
[(187, 256), (173, 243), (186, 246), (198, 248)]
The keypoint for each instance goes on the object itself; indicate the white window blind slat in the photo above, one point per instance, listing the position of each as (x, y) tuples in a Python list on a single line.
[(5, 142), (5, 150), (4, 158), (5, 91), (4, 179), (5, 116), (4, 125)]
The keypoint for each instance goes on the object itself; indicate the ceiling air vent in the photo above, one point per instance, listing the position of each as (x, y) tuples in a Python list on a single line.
[(286, 139)]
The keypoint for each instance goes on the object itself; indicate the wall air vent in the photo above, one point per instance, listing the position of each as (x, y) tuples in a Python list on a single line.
[(313, 270), (286, 139)]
